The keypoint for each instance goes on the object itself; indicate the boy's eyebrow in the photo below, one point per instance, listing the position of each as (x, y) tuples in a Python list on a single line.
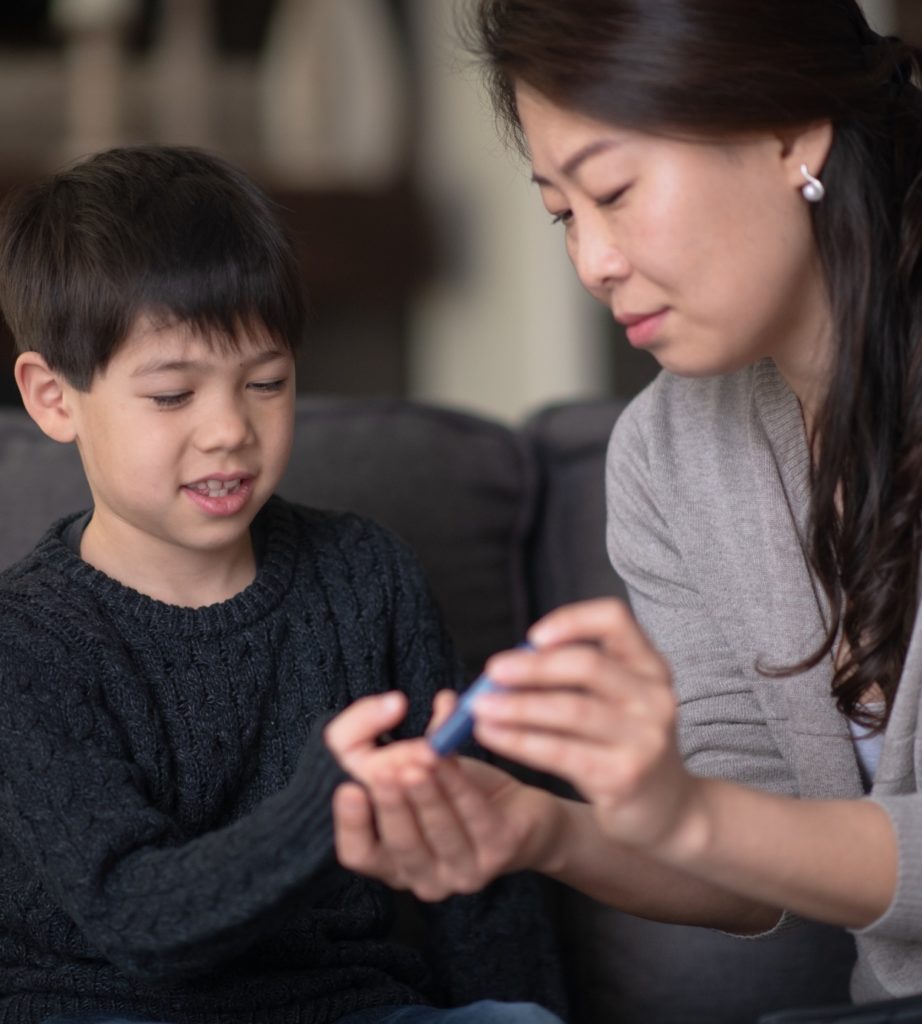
[(167, 365)]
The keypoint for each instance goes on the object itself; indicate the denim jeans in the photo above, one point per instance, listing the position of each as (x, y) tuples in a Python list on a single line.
[(485, 1012)]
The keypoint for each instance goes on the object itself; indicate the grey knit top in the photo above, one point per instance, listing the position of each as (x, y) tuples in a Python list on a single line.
[(708, 498), (165, 825)]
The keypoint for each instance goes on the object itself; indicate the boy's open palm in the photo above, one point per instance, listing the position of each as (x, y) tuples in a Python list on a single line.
[(433, 826)]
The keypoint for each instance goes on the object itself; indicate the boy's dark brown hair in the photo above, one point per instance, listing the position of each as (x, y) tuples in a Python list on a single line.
[(171, 232)]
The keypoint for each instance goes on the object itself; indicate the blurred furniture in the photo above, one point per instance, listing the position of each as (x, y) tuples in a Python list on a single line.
[(76, 75), (508, 522), (908, 20)]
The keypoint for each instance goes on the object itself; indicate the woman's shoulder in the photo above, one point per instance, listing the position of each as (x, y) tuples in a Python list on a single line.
[(680, 438)]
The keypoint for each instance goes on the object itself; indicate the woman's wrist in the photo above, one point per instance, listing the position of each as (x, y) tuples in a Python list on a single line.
[(546, 833), (688, 841)]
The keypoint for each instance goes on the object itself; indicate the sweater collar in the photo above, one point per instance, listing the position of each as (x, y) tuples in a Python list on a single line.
[(129, 606)]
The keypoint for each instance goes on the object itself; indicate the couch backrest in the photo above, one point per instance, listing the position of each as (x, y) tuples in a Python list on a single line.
[(506, 522)]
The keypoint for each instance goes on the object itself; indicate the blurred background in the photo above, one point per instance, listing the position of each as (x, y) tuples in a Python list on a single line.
[(431, 267)]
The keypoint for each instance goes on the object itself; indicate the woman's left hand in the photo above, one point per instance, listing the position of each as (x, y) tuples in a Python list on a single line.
[(594, 705)]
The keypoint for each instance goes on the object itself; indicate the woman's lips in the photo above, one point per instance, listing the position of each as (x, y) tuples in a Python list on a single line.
[(643, 329)]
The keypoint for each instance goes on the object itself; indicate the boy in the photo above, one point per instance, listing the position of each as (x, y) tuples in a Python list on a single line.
[(168, 659)]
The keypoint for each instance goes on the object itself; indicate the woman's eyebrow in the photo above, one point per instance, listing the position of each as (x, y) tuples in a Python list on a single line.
[(571, 165)]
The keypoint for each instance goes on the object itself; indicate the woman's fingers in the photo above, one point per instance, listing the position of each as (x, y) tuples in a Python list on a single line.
[(607, 622), (612, 763)]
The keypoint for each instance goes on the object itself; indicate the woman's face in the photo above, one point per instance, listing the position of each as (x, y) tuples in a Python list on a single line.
[(704, 251)]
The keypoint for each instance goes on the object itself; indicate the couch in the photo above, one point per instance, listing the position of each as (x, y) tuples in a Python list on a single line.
[(509, 522)]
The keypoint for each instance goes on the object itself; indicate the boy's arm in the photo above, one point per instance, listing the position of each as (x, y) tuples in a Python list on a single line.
[(150, 899)]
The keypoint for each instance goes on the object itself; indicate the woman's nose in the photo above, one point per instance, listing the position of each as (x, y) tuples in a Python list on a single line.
[(598, 260)]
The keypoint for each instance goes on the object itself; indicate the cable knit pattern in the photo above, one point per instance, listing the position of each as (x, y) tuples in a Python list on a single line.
[(165, 806)]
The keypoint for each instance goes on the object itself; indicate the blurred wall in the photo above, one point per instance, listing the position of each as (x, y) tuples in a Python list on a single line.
[(432, 267), (509, 328)]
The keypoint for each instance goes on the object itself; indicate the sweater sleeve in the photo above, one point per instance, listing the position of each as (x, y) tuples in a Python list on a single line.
[(723, 730), (158, 904)]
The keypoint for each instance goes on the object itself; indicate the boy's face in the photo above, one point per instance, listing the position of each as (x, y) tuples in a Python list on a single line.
[(182, 444)]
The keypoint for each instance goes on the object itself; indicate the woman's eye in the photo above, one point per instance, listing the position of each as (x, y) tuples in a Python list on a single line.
[(170, 401), (563, 217), (613, 198), (269, 386)]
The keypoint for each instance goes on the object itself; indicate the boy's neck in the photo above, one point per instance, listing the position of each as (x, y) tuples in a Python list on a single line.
[(187, 578)]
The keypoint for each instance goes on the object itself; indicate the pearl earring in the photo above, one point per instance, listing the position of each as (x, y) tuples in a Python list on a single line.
[(814, 190)]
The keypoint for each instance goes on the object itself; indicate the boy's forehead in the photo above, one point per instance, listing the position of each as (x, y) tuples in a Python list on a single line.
[(155, 346)]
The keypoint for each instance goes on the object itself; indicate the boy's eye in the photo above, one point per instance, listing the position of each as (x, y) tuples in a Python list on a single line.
[(170, 401), (268, 386)]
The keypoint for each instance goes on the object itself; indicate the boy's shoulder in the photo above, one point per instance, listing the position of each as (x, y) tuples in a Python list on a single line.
[(346, 535)]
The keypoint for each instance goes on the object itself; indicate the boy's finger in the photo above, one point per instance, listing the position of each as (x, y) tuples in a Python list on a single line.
[(400, 833), (355, 838), (361, 723), (443, 829), (481, 819), (442, 707)]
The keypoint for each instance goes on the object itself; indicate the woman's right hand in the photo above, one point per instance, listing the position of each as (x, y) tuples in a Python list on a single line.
[(443, 829)]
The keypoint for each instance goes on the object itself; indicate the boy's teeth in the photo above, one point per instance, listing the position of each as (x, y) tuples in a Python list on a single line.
[(217, 488)]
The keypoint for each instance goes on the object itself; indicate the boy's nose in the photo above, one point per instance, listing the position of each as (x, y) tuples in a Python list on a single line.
[(225, 427)]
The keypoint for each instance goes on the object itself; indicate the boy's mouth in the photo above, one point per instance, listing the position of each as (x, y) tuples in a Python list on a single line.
[(214, 488)]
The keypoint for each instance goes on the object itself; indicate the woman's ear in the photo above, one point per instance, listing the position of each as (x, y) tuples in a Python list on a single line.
[(806, 146), (44, 394)]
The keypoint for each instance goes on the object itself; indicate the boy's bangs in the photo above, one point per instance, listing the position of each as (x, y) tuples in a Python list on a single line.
[(226, 307)]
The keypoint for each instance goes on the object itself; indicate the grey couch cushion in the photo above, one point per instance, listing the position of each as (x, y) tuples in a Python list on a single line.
[(458, 488), (42, 481), (567, 558), (621, 968)]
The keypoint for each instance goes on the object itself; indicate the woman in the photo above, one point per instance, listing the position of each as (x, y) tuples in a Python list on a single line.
[(741, 184)]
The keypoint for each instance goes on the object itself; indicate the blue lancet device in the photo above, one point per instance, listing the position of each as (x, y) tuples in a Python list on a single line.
[(459, 726)]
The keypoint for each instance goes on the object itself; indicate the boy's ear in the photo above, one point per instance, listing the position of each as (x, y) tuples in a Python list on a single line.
[(44, 395)]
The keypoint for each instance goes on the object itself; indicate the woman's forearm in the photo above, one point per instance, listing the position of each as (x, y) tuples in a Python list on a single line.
[(575, 852), (831, 860), (740, 857)]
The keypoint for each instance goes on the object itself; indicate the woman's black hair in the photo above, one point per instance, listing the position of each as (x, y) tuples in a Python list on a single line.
[(170, 232), (715, 68)]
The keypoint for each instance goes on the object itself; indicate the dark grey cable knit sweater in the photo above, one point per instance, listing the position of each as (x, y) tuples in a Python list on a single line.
[(165, 829)]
